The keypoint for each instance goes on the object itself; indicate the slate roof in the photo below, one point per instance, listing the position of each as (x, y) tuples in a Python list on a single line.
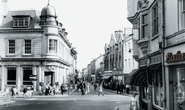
[(7, 21)]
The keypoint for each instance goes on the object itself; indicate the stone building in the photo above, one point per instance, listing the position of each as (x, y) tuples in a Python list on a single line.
[(34, 43), (146, 17)]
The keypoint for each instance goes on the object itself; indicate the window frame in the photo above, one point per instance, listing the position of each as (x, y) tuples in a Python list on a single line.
[(155, 20), (52, 46), (26, 47), (11, 47), (143, 25), (10, 80), (21, 21), (24, 69)]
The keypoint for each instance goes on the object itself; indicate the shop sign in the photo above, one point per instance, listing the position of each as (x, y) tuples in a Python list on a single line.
[(170, 58)]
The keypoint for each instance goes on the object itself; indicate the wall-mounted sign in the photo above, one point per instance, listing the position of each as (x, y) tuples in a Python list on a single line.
[(175, 58)]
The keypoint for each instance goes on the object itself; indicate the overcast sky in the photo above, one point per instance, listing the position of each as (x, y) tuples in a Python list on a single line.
[(89, 23)]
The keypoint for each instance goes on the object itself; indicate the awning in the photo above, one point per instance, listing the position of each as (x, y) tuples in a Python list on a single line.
[(137, 77), (130, 75), (106, 77)]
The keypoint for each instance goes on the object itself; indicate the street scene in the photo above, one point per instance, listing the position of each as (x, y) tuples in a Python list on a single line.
[(74, 100), (92, 54)]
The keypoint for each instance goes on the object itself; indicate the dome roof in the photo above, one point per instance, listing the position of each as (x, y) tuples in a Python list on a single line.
[(48, 11)]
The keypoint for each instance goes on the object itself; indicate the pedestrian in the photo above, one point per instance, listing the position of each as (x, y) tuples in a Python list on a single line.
[(121, 87), (14, 92), (7, 94), (62, 89), (88, 88), (118, 87), (31, 91), (100, 89), (127, 88), (25, 92), (54, 89), (133, 102), (95, 86)]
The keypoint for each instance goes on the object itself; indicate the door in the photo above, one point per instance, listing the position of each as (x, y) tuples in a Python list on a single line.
[(48, 77)]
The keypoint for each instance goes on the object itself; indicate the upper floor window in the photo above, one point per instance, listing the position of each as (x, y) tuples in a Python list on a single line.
[(52, 46), (11, 46), (155, 20), (27, 46), (181, 14), (21, 21), (144, 26)]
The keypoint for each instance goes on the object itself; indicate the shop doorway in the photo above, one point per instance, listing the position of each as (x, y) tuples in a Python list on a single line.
[(48, 77)]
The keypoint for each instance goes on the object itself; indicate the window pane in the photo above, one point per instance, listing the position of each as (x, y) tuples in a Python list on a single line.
[(15, 22), (20, 22), (12, 46), (52, 46), (25, 22), (27, 72), (11, 76), (27, 46)]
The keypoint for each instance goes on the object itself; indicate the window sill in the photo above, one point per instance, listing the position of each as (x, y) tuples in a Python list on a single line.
[(10, 55), (27, 55), (154, 37)]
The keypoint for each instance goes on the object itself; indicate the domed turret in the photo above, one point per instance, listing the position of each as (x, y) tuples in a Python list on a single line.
[(48, 11), (48, 16)]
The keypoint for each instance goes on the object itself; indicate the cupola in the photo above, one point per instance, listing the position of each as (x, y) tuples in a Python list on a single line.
[(48, 15)]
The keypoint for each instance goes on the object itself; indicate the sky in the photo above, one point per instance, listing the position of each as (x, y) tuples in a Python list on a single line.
[(89, 23)]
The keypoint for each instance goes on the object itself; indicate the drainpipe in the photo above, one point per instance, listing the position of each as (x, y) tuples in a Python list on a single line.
[(163, 55)]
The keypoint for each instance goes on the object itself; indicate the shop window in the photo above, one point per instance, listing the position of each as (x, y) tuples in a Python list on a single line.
[(144, 93), (158, 89), (11, 75), (179, 89), (27, 72)]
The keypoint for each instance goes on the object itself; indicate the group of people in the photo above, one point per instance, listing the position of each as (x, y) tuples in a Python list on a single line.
[(85, 88), (54, 89), (121, 87), (11, 92)]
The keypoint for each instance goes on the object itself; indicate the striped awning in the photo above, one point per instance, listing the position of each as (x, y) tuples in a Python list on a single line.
[(137, 77)]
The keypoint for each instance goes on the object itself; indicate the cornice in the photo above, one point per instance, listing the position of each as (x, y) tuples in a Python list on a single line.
[(35, 59), (19, 30), (65, 40)]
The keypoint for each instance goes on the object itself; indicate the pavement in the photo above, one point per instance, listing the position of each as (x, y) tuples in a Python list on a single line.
[(3, 101)]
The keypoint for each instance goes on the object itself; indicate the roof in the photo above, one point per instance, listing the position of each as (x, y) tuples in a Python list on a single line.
[(8, 19)]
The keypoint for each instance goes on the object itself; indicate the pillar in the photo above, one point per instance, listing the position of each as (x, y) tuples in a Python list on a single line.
[(18, 78), (3, 78), (34, 82)]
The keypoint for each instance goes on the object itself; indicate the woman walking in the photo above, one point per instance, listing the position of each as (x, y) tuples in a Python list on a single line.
[(133, 102), (100, 89), (88, 88)]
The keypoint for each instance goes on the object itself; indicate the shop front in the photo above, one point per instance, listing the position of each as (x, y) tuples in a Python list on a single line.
[(175, 78)]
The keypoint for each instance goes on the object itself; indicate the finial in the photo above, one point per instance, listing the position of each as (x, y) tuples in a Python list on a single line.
[(48, 2)]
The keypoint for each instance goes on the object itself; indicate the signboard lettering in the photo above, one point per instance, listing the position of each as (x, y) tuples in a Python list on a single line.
[(170, 58)]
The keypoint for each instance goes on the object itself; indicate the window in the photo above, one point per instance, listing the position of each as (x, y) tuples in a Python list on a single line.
[(27, 46), (21, 21), (52, 46), (158, 89), (144, 26), (155, 20), (181, 14), (27, 72), (11, 46), (11, 75), (139, 29)]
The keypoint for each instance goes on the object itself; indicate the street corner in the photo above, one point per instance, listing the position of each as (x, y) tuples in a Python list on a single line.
[(5, 103)]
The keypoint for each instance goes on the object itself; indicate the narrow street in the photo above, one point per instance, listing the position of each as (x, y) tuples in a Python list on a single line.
[(110, 101)]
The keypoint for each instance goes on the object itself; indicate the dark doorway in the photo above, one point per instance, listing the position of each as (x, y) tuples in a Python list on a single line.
[(48, 77)]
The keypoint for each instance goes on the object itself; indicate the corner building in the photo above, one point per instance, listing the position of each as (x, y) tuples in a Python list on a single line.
[(33, 43)]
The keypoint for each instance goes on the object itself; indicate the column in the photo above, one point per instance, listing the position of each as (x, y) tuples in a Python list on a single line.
[(42, 74), (18, 78), (3, 78), (56, 74), (34, 82)]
